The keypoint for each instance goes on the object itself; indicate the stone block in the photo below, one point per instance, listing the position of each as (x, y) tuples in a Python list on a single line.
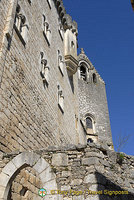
[(96, 187), (41, 165), (105, 163), (54, 197), (66, 174), (2, 190), (47, 175), (65, 188), (94, 154), (93, 197), (76, 182), (80, 197), (132, 174), (50, 185), (99, 168), (90, 161), (29, 158), (9, 169), (60, 159), (90, 178)]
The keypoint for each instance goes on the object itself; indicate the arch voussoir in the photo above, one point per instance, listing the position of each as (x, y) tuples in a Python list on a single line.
[(21, 161), (41, 165)]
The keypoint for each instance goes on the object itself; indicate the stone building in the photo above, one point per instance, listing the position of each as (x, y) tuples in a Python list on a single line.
[(54, 122), (132, 2)]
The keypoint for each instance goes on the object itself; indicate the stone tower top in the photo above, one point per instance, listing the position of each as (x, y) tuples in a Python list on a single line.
[(82, 51)]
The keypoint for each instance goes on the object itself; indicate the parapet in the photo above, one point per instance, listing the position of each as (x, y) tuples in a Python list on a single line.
[(66, 19)]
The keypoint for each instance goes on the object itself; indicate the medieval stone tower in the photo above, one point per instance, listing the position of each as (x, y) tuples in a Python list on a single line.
[(92, 102), (55, 135)]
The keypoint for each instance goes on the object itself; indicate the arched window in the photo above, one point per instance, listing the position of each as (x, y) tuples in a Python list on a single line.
[(89, 123), (83, 73), (94, 78)]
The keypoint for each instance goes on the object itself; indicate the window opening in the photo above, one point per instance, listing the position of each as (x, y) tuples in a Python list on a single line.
[(89, 123), (94, 78), (83, 73), (89, 140)]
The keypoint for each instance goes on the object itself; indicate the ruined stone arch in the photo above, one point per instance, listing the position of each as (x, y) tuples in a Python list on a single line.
[(31, 159)]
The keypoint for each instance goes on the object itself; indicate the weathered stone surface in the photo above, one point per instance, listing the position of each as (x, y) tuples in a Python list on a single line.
[(65, 187), (94, 154), (132, 174), (90, 178), (80, 197), (9, 169), (76, 182), (66, 173), (60, 159), (2, 190), (96, 187), (71, 176), (105, 163), (41, 165), (31, 119), (90, 161), (47, 175), (50, 184), (93, 197)]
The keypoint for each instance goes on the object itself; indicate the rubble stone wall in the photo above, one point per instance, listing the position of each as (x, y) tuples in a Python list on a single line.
[(82, 170)]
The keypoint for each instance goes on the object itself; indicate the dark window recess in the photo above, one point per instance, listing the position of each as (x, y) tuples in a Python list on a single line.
[(30, 1), (89, 123), (23, 191), (83, 73), (94, 78), (89, 140)]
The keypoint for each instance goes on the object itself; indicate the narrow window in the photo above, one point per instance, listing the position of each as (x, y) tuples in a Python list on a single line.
[(94, 78), (83, 73), (72, 44), (60, 63), (89, 123), (60, 99)]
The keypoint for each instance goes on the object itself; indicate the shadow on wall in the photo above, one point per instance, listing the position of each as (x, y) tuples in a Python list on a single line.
[(106, 186)]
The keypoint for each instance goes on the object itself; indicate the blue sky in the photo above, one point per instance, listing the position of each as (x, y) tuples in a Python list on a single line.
[(106, 32)]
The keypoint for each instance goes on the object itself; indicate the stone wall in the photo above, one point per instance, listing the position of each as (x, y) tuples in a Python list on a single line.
[(92, 100), (30, 117), (81, 171)]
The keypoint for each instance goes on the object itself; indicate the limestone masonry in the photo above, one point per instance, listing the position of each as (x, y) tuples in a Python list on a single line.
[(54, 121)]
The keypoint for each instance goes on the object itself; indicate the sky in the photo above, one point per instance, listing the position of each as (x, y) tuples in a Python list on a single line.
[(106, 32)]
